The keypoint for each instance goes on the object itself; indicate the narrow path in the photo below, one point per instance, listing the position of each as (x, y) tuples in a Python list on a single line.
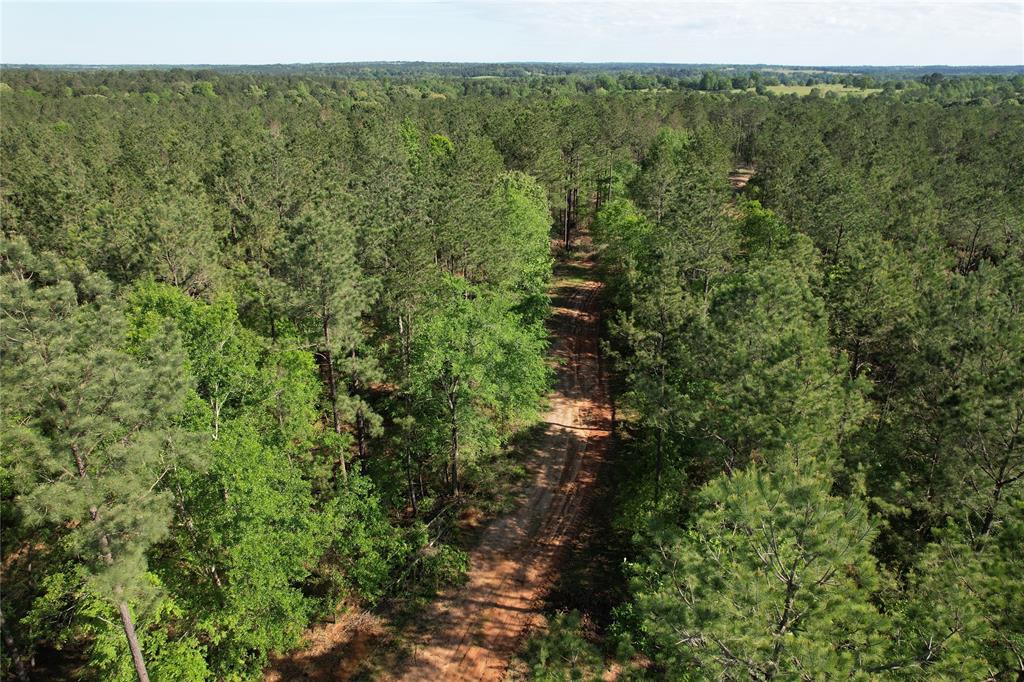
[(472, 631)]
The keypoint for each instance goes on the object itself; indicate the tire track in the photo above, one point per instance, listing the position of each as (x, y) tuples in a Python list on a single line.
[(471, 632)]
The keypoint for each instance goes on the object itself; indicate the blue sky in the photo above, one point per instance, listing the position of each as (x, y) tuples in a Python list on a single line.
[(745, 31)]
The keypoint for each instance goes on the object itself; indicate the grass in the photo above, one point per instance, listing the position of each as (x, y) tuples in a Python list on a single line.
[(804, 90), (838, 88)]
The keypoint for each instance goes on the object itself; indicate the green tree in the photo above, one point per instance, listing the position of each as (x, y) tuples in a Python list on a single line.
[(562, 653), (94, 426), (624, 236), (946, 442), (872, 300), (476, 368), (251, 531), (327, 300), (960, 614), (519, 260), (773, 579)]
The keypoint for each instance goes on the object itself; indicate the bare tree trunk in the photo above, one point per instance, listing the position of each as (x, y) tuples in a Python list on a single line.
[(657, 468), (361, 436), (1006, 476), (361, 433), (133, 642), (839, 243), (990, 513), (453, 408), (403, 335), (122, 606), (571, 210), (658, 463), (575, 208), (411, 482), (565, 224), (332, 393), (966, 266), (419, 477), (782, 628)]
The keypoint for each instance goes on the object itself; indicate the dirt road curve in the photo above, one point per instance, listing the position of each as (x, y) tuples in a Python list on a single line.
[(472, 631)]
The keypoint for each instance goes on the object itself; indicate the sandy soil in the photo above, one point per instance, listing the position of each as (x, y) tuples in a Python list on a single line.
[(739, 178), (334, 651)]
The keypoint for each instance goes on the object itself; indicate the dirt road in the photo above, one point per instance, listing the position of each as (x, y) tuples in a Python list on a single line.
[(471, 632)]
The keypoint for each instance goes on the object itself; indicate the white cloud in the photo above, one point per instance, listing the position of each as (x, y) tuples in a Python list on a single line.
[(826, 32)]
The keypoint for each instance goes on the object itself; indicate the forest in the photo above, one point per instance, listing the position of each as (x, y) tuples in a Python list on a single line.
[(270, 336)]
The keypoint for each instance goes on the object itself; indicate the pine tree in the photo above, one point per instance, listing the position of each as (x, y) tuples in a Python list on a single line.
[(960, 616), (95, 430), (773, 579), (327, 295)]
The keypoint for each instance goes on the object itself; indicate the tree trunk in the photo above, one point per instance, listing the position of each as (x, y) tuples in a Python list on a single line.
[(126, 616), (661, 418), (453, 407), (332, 393), (565, 223), (361, 437), (411, 482), (839, 244), (968, 265), (361, 434), (133, 642), (990, 513), (403, 336), (122, 606), (1005, 477), (419, 478), (657, 468), (571, 212), (782, 628)]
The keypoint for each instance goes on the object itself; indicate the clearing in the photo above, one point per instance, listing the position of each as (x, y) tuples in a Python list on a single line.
[(823, 88)]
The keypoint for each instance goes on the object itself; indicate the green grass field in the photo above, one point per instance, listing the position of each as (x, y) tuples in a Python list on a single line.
[(838, 88)]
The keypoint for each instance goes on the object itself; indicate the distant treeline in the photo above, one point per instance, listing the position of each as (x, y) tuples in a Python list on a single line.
[(379, 84), (525, 69)]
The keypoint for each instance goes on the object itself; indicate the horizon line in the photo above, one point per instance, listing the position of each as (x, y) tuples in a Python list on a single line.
[(514, 62)]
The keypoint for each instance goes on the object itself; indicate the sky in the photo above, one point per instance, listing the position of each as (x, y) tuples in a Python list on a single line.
[(826, 32)]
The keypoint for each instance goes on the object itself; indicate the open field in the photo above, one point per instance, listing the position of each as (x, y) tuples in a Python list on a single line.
[(839, 89)]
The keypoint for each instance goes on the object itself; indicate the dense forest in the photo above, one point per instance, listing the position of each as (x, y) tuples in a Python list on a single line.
[(265, 334)]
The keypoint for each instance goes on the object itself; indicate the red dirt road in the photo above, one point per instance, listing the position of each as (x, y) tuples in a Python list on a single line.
[(472, 631)]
